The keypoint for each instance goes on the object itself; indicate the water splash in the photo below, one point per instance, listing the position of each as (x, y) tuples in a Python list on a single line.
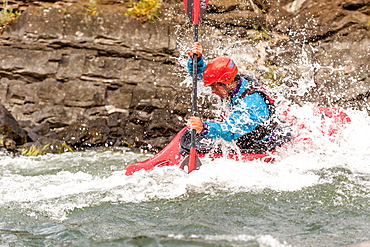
[(54, 185)]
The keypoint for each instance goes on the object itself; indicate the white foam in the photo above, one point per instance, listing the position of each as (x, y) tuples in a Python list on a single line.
[(262, 240), (56, 184)]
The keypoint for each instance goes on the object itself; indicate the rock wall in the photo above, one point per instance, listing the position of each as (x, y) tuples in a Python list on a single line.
[(62, 70), (59, 68)]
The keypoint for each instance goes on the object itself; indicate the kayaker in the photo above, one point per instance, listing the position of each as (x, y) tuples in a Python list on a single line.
[(251, 124)]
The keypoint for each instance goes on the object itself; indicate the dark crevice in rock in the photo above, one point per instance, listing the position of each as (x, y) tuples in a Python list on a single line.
[(213, 9), (32, 77), (24, 76), (317, 38), (353, 6), (110, 53), (363, 96)]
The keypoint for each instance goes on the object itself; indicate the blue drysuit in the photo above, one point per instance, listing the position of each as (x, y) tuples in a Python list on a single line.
[(246, 113)]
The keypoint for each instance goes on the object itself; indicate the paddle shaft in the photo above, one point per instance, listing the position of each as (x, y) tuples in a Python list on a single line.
[(194, 9), (195, 87)]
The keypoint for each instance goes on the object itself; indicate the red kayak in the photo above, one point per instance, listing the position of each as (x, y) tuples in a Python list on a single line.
[(332, 120)]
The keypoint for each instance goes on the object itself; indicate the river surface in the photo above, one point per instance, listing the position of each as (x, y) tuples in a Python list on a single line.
[(315, 194)]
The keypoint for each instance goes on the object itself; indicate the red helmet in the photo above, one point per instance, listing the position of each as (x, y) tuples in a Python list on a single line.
[(221, 69)]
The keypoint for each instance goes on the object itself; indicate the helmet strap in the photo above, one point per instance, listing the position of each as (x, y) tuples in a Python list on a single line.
[(226, 88), (238, 85), (234, 91)]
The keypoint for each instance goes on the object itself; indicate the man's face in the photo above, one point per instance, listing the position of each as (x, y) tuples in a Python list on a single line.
[(220, 90)]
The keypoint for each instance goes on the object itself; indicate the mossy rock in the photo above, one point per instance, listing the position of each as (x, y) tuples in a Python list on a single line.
[(44, 146), (7, 143)]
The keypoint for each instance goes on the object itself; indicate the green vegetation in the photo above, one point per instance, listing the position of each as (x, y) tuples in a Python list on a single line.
[(260, 33), (144, 10), (7, 16), (272, 77), (92, 8), (35, 149)]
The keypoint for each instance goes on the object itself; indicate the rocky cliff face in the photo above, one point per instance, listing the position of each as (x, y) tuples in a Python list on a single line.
[(64, 70), (60, 68)]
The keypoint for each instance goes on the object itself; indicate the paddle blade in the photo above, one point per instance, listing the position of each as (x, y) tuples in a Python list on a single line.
[(192, 160), (195, 9)]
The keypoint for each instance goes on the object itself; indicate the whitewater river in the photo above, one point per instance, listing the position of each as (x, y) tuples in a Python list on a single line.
[(316, 194)]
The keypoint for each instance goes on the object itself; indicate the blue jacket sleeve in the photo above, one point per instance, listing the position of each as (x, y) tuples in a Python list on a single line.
[(201, 66), (249, 112)]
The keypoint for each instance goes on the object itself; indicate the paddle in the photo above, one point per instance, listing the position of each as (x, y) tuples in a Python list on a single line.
[(194, 9)]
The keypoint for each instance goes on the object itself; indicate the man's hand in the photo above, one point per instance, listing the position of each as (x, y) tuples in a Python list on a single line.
[(196, 49), (195, 123)]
